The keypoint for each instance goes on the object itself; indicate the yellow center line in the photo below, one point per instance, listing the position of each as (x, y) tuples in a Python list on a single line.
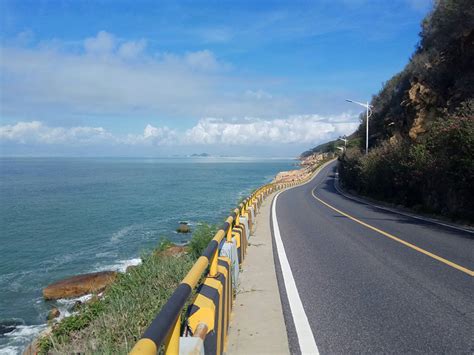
[(388, 235)]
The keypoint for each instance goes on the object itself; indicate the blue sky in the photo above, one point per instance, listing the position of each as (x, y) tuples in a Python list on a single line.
[(156, 78)]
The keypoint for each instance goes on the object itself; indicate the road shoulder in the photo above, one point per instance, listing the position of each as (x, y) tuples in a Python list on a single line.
[(258, 326), (386, 206)]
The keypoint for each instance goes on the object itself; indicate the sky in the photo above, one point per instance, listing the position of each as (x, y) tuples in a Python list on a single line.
[(164, 78)]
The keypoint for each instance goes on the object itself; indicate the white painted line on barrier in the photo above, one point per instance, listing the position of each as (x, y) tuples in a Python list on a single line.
[(303, 329)]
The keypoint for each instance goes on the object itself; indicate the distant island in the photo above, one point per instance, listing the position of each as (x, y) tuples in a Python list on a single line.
[(203, 155)]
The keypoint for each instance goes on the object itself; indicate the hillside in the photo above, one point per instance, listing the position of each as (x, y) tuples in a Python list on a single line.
[(328, 147), (422, 128)]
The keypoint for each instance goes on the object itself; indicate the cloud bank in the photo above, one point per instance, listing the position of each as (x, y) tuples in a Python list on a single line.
[(301, 129)]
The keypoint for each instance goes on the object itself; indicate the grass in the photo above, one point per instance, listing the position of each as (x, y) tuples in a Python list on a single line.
[(201, 238), (113, 324)]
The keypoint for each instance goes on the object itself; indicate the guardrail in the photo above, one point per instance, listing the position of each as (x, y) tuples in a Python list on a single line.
[(207, 317)]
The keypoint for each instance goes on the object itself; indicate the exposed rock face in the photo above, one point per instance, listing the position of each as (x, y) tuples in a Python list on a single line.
[(79, 285), (396, 138), (292, 175), (306, 164), (315, 158), (422, 99)]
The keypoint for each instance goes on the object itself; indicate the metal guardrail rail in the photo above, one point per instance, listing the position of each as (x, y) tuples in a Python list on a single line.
[(209, 315)]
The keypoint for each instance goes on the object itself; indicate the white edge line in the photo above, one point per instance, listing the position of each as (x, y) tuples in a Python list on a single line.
[(303, 329)]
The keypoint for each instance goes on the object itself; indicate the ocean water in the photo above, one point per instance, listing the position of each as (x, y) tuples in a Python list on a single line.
[(61, 217)]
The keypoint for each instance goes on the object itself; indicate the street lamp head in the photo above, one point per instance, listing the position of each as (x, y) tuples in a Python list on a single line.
[(359, 103), (368, 107)]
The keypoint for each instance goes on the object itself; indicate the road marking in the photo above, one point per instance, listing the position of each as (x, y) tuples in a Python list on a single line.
[(388, 235), (303, 330)]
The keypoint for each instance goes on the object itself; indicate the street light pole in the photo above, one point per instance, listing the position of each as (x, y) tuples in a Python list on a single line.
[(368, 114), (367, 131), (344, 140)]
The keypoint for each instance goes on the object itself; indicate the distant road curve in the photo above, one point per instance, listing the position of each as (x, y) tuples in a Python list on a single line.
[(370, 280)]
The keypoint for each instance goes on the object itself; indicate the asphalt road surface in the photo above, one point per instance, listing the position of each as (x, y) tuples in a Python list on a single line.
[(370, 280)]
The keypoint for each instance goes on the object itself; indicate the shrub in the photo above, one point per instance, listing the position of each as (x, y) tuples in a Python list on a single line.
[(436, 174), (201, 238), (113, 324)]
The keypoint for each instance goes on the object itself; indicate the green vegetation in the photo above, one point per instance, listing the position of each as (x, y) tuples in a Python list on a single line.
[(201, 238), (113, 323), (328, 147), (422, 128)]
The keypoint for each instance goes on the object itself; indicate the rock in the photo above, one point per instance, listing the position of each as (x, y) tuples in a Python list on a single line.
[(53, 313), (9, 325), (79, 285), (422, 99), (183, 228), (173, 250), (31, 349)]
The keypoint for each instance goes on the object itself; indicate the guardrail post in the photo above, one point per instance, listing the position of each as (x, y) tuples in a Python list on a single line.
[(213, 262), (172, 343), (229, 234)]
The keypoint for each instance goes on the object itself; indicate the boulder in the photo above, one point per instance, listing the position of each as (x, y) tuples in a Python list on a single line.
[(79, 285), (9, 325), (173, 250), (53, 313), (183, 228)]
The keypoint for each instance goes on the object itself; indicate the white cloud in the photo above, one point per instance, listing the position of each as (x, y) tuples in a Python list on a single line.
[(103, 43), (153, 136), (107, 75), (202, 60), (110, 76), (298, 129), (132, 49), (37, 132)]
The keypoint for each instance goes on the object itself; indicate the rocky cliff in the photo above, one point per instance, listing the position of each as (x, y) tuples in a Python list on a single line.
[(422, 128)]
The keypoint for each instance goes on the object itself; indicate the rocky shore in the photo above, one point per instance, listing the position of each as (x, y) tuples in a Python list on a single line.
[(79, 285), (307, 165)]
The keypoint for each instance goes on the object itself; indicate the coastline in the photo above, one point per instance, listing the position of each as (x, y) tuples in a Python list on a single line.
[(113, 259)]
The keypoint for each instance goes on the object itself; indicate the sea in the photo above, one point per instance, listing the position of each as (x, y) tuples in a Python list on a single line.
[(61, 217)]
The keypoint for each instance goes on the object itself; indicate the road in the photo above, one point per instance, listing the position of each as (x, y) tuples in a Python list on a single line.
[(369, 280)]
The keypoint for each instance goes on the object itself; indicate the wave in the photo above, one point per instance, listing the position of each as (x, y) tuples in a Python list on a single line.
[(19, 338), (22, 335), (117, 236), (120, 266), (65, 305)]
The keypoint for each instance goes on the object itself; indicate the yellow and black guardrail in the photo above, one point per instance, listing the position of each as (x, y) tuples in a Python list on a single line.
[(208, 316)]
